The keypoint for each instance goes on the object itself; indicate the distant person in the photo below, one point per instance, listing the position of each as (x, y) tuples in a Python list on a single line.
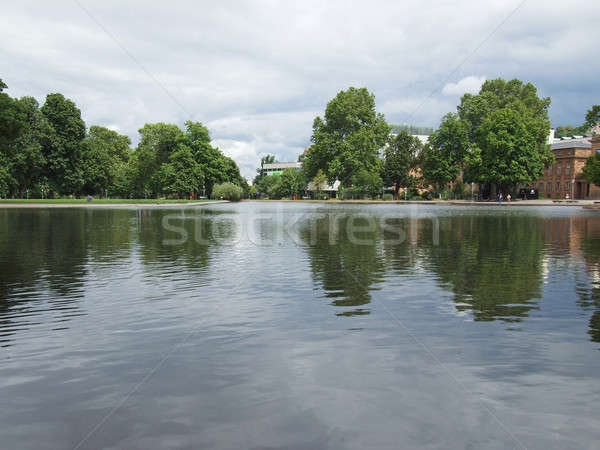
[(500, 198), (508, 198)]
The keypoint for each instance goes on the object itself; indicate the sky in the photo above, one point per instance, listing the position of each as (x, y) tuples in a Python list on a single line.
[(257, 73)]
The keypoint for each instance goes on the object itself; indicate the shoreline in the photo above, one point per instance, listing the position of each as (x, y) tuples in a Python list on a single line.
[(545, 202), (158, 204)]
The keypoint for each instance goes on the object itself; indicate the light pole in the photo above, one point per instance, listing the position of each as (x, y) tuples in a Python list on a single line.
[(42, 193), (472, 183), (573, 189)]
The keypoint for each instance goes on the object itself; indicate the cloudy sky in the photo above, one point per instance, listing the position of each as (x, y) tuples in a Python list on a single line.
[(258, 72)]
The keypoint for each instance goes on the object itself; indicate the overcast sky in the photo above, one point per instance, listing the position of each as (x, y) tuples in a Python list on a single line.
[(258, 72)]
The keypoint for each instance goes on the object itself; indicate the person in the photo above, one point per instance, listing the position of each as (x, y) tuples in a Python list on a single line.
[(508, 198), (500, 198)]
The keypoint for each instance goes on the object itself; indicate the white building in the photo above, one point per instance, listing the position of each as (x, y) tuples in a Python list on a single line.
[(278, 167)]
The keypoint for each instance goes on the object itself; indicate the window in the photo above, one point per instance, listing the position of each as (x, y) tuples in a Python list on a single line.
[(558, 185), (550, 171), (568, 169), (541, 186), (558, 169), (567, 186)]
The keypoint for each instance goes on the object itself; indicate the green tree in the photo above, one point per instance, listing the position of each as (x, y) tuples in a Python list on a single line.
[(320, 181), (287, 185), (28, 162), (215, 167), (591, 170), (438, 170), (450, 146), (157, 142), (269, 159), (348, 137), (400, 157), (367, 184), (508, 132), (105, 153), (458, 189), (63, 150), (592, 118), (182, 174), (12, 119), (266, 183)]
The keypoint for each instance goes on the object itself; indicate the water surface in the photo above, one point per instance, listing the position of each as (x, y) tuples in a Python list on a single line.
[(272, 325)]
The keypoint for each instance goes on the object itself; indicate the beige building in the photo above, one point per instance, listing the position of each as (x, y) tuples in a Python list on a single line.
[(564, 178)]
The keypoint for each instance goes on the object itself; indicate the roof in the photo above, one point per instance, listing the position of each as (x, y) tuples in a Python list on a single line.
[(572, 143), (282, 165)]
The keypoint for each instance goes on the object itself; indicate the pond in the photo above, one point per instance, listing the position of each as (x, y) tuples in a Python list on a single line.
[(300, 325)]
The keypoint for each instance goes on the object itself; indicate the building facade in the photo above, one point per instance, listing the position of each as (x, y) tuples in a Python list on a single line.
[(564, 178), (279, 167)]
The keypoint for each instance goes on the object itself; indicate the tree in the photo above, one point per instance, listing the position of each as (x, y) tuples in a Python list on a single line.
[(266, 183), (216, 167), (157, 142), (508, 152), (508, 133), (592, 118), (105, 153), (348, 137), (400, 160), (28, 163), (319, 180), (287, 184), (11, 119), (365, 183), (64, 148), (437, 167), (182, 175), (591, 170), (269, 159)]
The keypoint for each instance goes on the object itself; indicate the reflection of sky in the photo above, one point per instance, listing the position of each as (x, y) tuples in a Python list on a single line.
[(247, 352)]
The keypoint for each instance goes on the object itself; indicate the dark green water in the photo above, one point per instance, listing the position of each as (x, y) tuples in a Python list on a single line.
[(271, 325)]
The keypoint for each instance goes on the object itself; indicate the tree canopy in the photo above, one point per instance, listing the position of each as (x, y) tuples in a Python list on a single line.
[(443, 160), (508, 128), (47, 149), (400, 158), (592, 118), (347, 138), (591, 170)]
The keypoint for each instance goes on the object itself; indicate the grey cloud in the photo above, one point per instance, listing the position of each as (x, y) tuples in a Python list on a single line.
[(257, 73)]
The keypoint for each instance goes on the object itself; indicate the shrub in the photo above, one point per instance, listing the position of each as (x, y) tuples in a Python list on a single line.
[(387, 197), (348, 194), (227, 191), (427, 195)]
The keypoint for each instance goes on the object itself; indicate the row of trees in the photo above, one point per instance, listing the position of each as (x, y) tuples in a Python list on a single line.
[(47, 149), (498, 138), (591, 119)]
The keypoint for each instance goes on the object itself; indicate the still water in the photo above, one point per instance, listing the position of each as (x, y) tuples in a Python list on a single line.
[(282, 325)]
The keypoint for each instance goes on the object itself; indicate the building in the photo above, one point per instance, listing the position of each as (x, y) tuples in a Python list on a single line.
[(421, 132), (278, 167), (564, 178), (331, 190)]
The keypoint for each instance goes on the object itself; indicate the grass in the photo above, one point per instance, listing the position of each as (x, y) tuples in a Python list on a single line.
[(115, 201)]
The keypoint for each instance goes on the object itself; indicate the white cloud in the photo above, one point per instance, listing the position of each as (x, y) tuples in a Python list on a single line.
[(470, 85)]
